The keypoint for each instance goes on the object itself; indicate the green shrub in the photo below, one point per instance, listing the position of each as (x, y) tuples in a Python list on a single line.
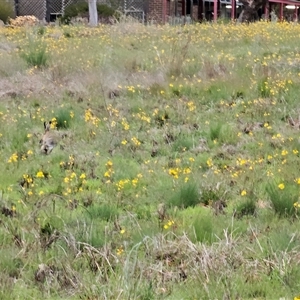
[(283, 198), (6, 11), (81, 9)]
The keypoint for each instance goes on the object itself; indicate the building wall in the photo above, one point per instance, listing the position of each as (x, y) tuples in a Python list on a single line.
[(155, 11)]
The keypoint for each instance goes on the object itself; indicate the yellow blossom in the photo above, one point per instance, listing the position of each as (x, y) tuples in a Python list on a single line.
[(243, 193), (40, 174), (13, 158), (281, 186)]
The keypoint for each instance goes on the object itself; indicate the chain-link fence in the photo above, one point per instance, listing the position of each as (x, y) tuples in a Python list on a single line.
[(136, 9), (42, 9), (49, 10)]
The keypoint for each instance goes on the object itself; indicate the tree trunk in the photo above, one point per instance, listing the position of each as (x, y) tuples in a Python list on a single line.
[(93, 14)]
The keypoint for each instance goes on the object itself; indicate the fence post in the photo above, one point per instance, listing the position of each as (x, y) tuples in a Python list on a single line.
[(17, 7), (93, 14), (47, 11)]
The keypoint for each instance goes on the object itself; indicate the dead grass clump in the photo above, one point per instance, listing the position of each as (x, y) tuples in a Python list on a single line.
[(21, 21)]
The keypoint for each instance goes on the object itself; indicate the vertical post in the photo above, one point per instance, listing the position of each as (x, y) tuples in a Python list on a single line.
[(296, 14), (164, 11), (233, 5), (215, 10), (183, 8), (17, 7), (200, 10), (267, 11), (93, 14), (281, 12), (48, 11)]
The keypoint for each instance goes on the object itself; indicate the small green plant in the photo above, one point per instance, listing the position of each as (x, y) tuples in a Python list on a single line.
[(209, 196), (283, 197), (90, 234), (35, 54), (187, 196), (203, 226), (104, 212), (18, 140), (183, 143), (63, 119), (41, 30), (215, 131), (246, 208), (263, 88), (6, 11)]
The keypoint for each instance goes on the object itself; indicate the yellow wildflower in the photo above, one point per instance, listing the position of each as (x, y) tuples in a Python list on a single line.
[(40, 174)]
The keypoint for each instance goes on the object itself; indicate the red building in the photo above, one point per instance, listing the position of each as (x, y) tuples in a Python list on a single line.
[(210, 10)]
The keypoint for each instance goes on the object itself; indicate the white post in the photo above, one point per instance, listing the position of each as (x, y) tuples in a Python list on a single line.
[(93, 14)]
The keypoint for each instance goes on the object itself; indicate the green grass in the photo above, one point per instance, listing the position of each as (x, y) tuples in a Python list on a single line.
[(175, 174)]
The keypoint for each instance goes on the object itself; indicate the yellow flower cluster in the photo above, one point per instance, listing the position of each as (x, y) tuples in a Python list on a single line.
[(90, 118), (13, 158), (74, 183)]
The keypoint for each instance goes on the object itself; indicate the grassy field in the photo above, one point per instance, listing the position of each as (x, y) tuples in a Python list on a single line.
[(175, 173)]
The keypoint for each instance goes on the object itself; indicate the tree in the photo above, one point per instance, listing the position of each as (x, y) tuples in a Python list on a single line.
[(93, 14), (250, 8)]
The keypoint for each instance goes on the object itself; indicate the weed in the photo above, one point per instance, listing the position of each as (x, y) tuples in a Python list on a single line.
[(63, 118), (203, 227), (215, 131), (283, 197), (104, 212), (263, 88), (35, 54), (246, 208), (188, 195)]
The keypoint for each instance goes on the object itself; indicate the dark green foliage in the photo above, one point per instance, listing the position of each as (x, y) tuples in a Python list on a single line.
[(208, 196), (63, 119), (246, 208), (6, 11), (215, 131), (81, 9)]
